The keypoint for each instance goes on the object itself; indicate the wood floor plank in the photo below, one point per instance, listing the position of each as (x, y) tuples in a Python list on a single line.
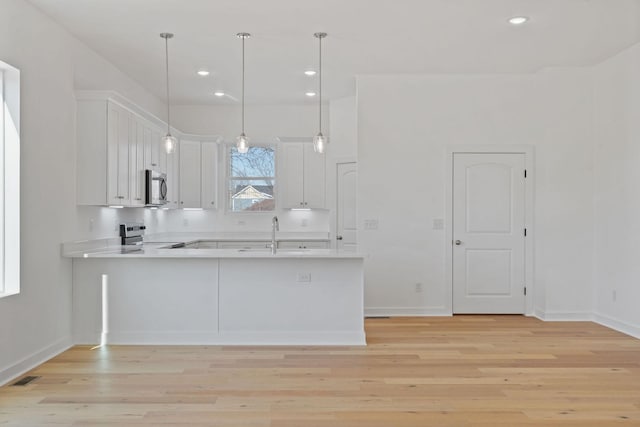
[(457, 371)]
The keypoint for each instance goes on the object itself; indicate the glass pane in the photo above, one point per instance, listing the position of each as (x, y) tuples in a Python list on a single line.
[(258, 162), (251, 195)]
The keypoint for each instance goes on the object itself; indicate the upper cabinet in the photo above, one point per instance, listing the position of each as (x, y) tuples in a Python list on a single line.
[(190, 174), (115, 144), (209, 182), (302, 179), (104, 133)]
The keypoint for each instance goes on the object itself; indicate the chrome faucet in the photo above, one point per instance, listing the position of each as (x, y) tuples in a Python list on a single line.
[(274, 227)]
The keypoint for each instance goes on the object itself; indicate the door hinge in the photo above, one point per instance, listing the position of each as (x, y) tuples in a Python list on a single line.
[(525, 290), (525, 173), (525, 232)]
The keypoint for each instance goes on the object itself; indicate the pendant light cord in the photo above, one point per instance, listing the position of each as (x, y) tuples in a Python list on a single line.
[(320, 81), (166, 51), (243, 38)]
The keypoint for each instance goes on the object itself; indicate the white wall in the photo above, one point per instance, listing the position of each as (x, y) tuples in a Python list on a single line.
[(617, 179), (262, 122), (405, 124), (37, 322)]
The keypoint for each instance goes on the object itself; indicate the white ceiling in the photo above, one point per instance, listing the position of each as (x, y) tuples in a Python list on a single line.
[(365, 37)]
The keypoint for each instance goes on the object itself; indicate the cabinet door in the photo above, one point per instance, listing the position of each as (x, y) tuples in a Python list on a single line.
[(244, 245), (136, 160), (209, 175), (173, 179), (190, 176), (314, 178), (292, 175), (303, 245), (118, 155)]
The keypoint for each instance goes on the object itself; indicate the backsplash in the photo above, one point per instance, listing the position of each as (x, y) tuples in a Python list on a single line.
[(102, 222)]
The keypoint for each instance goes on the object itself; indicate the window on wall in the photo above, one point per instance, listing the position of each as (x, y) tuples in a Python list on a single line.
[(9, 180), (251, 179)]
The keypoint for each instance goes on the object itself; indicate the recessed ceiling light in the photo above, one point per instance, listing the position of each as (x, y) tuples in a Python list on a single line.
[(218, 93), (310, 94), (310, 73), (518, 20), (203, 73)]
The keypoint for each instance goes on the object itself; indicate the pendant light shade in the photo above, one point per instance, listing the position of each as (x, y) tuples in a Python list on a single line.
[(320, 141), (242, 141), (168, 141)]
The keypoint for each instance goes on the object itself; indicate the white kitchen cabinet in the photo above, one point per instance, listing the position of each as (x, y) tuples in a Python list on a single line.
[(173, 178), (303, 245), (244, 245), (190, 174), (303, 176), (155, 156), (136, 161), (103, 169), (209, 184)]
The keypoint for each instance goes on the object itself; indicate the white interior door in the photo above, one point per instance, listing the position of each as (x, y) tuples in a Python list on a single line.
[(346, 207), (488, 233)]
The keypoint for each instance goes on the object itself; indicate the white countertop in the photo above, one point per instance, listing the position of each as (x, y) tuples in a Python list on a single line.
[(155, 246), (153, 251)]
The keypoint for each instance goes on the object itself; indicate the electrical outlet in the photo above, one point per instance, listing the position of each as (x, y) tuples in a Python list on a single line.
[(185, 222), (91, 224), (370, 224), (614, 295), (304, 222), (304, 277), (418, 288), (438, 224)]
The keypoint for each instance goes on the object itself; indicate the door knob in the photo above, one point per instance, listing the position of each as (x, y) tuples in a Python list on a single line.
[(458, 242)]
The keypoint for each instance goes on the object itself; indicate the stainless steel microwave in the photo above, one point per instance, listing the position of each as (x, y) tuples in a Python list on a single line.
[(155, 188)]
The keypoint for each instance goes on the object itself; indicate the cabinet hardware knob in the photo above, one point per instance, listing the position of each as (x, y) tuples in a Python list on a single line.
[(213, 203), (458, 242), (338, 237)]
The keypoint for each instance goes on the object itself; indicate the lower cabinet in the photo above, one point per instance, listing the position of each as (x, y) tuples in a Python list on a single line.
[(244, 245), (303, 245), (260, 300)]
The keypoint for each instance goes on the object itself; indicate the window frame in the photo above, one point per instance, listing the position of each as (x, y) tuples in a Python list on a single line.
[(228, 178), (9, 180)]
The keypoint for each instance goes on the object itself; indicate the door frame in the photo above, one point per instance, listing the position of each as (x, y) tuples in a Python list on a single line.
[(528, 151), (331, 192)]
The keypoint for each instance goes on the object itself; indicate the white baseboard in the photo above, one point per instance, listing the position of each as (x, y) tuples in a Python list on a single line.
[(617, 325), (563, 316), (14, 371), (234, 338), (406, 311)]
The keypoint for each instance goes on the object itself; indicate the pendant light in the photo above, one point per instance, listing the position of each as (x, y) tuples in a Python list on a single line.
[(168, 140), (242, 142), (320, 141)]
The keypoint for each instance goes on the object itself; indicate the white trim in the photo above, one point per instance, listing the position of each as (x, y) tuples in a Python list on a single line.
[(564, 316), (331, 193), (9, 180), (235, 338), (39, 357), (406, 311), (617, 325), (528, 151)]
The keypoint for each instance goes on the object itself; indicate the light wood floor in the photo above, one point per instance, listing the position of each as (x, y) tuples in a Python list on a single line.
[(461, 371)]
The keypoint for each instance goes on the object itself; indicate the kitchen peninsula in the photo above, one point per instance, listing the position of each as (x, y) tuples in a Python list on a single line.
[(155, 294)]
